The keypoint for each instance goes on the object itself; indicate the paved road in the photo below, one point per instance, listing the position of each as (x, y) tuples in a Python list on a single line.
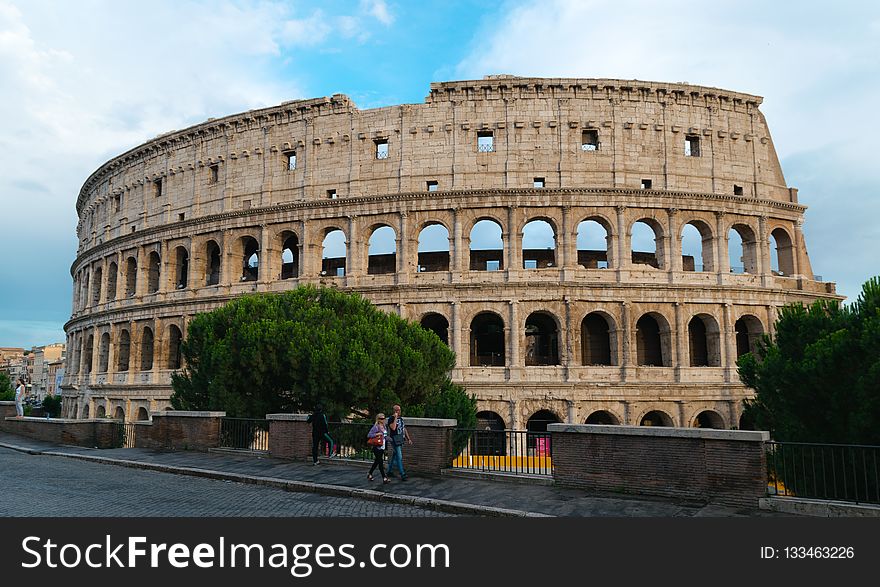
[(40, 485)]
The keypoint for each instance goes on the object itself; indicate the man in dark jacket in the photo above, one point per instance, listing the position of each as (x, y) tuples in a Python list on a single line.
[(320, 431), (398, 434)]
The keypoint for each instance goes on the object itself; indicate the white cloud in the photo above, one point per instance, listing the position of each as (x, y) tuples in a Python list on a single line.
[(379, 10)]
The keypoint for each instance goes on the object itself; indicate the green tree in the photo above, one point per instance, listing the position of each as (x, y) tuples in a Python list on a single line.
[(819, 379), (52, 405), (266, 353), (7, 392)]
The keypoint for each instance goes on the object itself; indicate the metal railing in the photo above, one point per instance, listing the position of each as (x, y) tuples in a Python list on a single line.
[(244, 434), (124, 434), (837, 472), (488, 360), (503, 451), (351, 441)]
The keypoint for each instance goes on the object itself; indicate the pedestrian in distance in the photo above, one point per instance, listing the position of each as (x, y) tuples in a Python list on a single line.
[(397, 434), (376, 439), (320, 432), (20, 393)]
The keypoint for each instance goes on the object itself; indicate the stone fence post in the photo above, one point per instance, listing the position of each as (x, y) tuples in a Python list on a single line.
[(728, 467), (290, 437), (431, 450), (180, 430)]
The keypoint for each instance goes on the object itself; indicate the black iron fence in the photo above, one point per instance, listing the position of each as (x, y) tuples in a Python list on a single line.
[(123, 434), (503, 451), (351, 441), (824, 471), (244, 434)]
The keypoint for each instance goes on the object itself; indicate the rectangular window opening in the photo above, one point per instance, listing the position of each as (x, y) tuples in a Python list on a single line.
[(117, 203), (432, 186), (737, 190), (538, 182), (692, 146), (493, 265), (291, 160), (485, 141), (214, 173), (331, 194), (157, 188), (590, 140), (530, 264), (646, 184), (381, 148), (181, 216)]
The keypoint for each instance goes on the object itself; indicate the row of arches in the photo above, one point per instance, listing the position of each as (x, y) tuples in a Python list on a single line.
[(102, 411), (487, 245), (122, 357)]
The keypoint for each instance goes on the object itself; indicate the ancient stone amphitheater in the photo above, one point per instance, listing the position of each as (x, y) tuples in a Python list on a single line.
[(502, 213)]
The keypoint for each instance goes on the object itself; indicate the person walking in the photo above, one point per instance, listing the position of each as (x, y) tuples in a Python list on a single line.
[(20, 393), (398, 434), (376, 439), (320, 431)]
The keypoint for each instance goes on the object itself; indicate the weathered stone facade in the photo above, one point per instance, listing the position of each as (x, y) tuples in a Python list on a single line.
[(193, 218)]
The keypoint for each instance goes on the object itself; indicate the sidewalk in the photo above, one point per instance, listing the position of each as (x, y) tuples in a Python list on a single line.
[(335, 477)]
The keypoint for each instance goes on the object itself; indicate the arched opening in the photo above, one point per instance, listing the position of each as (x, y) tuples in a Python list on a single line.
[(742, 249), (97, 279), (382, 254), (174, 338), (595, 340), (486, 246), (142, 414), (538, 245), (334, 252), (434, 248), (154, 265), (542, 340), (100, 412), (119, 414), (489, 438), (593, 245), (603, 417), (781, 253), (147, 349), (85, 411), (181, 268), (122, 359), (538, 439), (88, 348), (487, 340), (747, 422), (104, 353), (649, 345), (84, 290), (656, 418), (289, 256), (437, 324), (696, 247), (748, 332), (130, 277), (704, 344), (708, 419), (212, 254), (112, 276), (250, 267), (646, 234)]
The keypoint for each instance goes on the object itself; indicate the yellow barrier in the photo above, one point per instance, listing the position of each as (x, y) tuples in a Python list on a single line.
[(503, 463)]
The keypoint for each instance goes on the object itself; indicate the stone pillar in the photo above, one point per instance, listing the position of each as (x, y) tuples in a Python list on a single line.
[(512, 331), (567, 245), (624, 258), (567, 352), (512, 415), (680, 333), (722, 254), (226, 244), (728, 343), (456, 327), (290, 436), (627, 360), (431, 448), (165, 273), (672, 261), (762, 254), (270, 267), (354, 251), (459, 264), (405, 266), (512, 241)]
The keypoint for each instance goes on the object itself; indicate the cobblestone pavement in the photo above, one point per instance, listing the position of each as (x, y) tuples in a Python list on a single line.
[(39, 485)]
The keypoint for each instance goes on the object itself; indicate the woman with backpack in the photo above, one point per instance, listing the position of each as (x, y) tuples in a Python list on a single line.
[(376, 440)]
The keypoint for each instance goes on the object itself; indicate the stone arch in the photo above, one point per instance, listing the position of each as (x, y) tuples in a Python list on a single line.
[(124, 344), (214, 263), (438, 324), (595, 242), (84, 289), (597, 348), (603, 417), (174, 339), (742, 248), (249, 249), (487, 344), (708, 419), (538, 421), (147, 349), (641, 241), (154, 268), (381, 250), (749, 330), (656, 418), (130, 277), (142, 414), (289, 255), (489, 437), (104, 353), (88, 349), (486, 244), (181, 268), (697, 247), (704, 341), (781, 252), (653, 340), (433, 247), (85, 411), (542, 339), (539, 243), (332, 263), (100, 411), (112, 276), (119, 413), (97, 280)]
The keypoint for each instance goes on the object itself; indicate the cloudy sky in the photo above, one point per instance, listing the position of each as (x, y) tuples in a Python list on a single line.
[(83, 81)]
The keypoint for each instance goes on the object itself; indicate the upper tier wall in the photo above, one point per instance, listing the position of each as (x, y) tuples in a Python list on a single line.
[(241, 161)]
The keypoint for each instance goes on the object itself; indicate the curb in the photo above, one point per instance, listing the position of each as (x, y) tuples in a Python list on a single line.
[(440, 505)]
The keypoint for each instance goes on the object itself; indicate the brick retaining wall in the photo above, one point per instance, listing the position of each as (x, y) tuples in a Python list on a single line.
[(90, 433), (179, 430)]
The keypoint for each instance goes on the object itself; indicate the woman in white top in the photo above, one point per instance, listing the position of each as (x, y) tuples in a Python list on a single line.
[(19, 398)]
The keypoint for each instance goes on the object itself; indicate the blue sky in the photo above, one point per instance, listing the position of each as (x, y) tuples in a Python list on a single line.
[(76, 95)]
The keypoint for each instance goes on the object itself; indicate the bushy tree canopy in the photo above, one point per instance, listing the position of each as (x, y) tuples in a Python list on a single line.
[(819, 380), (7, 393), (270, 353)]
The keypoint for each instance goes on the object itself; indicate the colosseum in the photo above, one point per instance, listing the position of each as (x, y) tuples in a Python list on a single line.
[(536, 225)]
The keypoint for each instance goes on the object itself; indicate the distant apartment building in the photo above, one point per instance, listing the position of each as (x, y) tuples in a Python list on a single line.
[(42, 375)]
